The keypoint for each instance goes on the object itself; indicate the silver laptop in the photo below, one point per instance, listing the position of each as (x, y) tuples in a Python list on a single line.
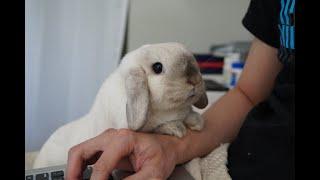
[(58, 173)]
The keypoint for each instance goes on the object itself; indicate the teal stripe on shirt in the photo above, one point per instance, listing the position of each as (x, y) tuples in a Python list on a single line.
[(292, 39), (281, 12), (286, 12)]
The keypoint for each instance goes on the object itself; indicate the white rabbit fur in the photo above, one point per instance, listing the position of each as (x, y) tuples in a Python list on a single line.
[(135, 97)]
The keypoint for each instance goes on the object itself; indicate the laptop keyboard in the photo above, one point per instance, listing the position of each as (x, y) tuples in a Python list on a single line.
[(58, 173), (54, 173)]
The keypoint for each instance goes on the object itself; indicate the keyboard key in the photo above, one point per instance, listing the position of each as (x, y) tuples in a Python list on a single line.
[(44, 176), (30, 177), (57, 174)]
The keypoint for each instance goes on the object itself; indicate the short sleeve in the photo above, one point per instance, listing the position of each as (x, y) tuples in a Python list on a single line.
[(261, 20)]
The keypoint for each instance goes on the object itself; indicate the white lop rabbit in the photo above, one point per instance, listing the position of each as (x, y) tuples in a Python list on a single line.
[(152, 90)]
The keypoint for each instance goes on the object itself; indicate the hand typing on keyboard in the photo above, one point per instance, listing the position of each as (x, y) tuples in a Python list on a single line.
[(148, 155)]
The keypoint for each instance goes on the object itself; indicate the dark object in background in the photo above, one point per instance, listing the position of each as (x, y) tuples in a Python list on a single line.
[(212, 85), (209, 64), (240, 47)]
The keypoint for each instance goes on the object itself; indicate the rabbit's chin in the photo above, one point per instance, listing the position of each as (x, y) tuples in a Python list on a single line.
[(189, 98), (192, 99)]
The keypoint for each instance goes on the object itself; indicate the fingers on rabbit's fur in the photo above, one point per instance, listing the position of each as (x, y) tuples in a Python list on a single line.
[(194, 121), (175, 128)]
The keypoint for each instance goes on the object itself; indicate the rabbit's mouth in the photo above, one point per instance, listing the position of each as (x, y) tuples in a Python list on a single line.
[(192, 94)]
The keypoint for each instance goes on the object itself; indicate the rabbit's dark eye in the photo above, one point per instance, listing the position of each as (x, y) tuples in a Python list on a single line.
[(157, 67)]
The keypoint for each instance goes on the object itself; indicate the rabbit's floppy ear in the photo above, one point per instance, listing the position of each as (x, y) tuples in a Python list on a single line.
[(202, 101), (137, 98)]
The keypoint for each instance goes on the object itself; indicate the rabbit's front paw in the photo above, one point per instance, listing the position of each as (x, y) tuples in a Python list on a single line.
[(194, 121), (174, 128)]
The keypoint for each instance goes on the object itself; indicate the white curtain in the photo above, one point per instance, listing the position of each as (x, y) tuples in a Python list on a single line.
[(71, 47)]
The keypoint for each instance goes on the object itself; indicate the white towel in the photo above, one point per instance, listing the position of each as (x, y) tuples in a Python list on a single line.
[(213, 166)]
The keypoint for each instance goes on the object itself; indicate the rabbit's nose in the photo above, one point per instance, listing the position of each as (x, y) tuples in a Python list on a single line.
[(194, 80), (193, 74)]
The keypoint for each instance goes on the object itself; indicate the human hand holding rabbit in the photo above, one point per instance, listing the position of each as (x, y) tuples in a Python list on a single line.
[(151, 156)]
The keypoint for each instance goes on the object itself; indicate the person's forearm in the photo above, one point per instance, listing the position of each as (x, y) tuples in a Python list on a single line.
[(222, 123), (224, 119)]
